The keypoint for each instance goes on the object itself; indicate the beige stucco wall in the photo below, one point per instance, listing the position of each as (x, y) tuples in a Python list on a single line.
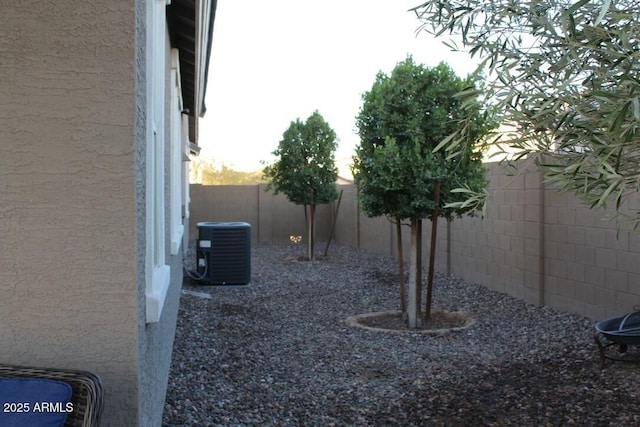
[(72, 138)]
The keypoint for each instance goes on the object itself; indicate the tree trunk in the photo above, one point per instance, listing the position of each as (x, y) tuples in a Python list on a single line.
[(448, 247), (413, 302), (432, 251), (306, 219), (419, 267), (403, 304), (312, 231), (311, 226), (333, 224)]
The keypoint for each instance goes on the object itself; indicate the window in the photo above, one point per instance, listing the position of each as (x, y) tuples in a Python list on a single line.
[(157, 273)]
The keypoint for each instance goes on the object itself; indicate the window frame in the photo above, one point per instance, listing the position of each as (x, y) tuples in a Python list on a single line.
[(157, 272), (176, 157)]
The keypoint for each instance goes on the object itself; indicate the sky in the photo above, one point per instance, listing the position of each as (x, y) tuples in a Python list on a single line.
[(275, 61)]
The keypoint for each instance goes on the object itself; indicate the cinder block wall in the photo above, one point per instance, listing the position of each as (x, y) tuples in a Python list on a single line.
[(534, 243), (503, 250), (548, 248), (590, 267), (272, 217), (224, 203)]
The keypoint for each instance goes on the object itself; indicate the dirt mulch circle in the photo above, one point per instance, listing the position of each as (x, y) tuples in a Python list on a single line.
[(441, 322)]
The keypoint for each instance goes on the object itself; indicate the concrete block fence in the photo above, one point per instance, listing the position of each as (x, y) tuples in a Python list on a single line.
[(534, 243)]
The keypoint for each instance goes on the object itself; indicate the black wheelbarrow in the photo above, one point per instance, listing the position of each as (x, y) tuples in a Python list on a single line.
[(620, 331)]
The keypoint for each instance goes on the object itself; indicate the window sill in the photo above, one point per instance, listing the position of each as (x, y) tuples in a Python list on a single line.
[(157, 292), (176, 239)]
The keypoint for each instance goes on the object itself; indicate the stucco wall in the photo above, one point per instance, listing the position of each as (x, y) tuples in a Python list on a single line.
[(71, 141)]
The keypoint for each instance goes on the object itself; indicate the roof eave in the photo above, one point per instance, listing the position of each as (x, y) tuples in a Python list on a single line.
[(191, 30)]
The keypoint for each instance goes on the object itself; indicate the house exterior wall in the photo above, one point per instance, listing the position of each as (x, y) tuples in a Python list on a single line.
[(535, 244), (72, 211), (67, 260)]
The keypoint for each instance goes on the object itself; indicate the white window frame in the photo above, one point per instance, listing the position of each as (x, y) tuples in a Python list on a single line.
[(186, 166), (176, 187), (157, 272)]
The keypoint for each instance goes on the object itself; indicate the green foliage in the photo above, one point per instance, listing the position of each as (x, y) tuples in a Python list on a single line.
[(226, 175), (402, 119), (305, 170), (565, 75)]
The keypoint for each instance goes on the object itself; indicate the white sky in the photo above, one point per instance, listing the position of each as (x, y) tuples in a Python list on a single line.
[(275, 61)]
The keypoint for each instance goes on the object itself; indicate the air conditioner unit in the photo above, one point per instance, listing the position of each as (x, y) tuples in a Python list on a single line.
[(224, 252)]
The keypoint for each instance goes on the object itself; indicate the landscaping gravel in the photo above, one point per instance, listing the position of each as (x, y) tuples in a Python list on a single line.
[(279, 353)]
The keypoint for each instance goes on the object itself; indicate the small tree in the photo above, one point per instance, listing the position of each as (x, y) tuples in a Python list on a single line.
[(565, 77), (305, 170), (403, 117)]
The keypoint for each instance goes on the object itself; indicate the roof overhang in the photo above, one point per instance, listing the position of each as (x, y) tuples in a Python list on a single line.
[(190, 31)]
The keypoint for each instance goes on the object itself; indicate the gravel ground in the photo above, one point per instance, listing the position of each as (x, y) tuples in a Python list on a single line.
[(279, 353)]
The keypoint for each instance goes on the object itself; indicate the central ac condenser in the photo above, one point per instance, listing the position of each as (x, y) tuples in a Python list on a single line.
[(224, 252)]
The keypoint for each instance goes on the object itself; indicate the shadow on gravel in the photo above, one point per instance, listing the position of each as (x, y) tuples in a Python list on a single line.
[(384, 278), (551, 393)]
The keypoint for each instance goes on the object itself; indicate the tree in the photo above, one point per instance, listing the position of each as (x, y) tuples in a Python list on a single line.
[(402, 119), (565, 76), (305, 170)]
